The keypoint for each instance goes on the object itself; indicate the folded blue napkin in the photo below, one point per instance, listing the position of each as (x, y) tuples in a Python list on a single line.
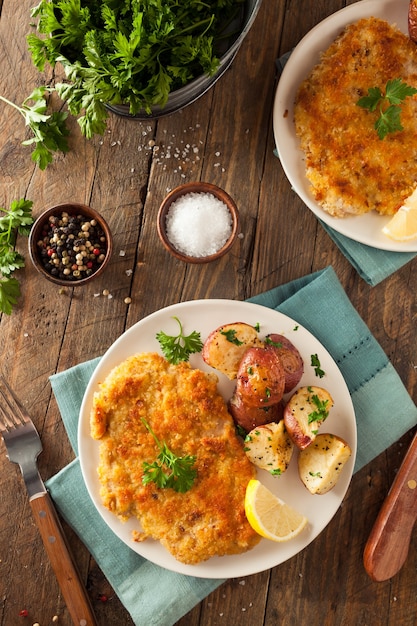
[(384, 412), (372, 265)]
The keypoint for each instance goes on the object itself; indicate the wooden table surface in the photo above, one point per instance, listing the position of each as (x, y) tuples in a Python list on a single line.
[(225, 138)]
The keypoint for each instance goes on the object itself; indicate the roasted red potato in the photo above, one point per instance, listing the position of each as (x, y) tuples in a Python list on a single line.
[(321, 464), (269, 447), (260, 378), (249, 417), (305, 412), (226, 345), (412, 20), (290, 357)]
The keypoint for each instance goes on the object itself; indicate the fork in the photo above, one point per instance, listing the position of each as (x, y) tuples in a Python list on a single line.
[(23, 446)]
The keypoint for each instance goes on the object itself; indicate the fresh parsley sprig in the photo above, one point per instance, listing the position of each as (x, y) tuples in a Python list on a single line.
[(388, 105), (49, 129), (315, 362), (231, 336), (177, 348), (169, 470), (14, 221), (321, 412)]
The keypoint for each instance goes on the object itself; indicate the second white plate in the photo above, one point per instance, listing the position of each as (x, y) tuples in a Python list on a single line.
[(366, 228)]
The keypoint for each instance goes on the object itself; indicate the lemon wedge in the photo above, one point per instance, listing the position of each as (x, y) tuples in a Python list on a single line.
[(269, 516), (403, 226)]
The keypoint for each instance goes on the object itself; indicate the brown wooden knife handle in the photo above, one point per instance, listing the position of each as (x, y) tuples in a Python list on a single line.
[(387, 546), (69, 579)]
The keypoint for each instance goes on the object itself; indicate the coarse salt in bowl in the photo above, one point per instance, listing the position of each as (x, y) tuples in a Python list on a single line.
[(198, 222)]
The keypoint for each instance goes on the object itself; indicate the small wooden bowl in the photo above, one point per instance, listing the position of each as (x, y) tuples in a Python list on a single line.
[(37, 233), (197, 187)]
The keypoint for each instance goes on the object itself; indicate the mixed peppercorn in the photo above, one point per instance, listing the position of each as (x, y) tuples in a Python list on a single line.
[(72, 247)]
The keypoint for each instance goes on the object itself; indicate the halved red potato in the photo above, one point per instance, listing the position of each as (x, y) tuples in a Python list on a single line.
[(305, 412), (321, 464), (269, 447), (248, 417), (260, 378), (226, 345), (291, 359)]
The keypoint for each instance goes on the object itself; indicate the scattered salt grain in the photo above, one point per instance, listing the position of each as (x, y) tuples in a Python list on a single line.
[(198, 224)]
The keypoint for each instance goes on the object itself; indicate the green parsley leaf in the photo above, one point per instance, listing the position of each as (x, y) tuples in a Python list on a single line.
[(169, 470), (231, 336), (9, 294), (16, 220), (179, 347), (268, 342), (389, 120), (241, 432), (322, 411), (315, 362), (397, 91), (49, 131)]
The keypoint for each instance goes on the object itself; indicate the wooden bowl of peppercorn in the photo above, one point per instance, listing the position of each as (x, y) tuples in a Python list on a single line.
[(70, 244)]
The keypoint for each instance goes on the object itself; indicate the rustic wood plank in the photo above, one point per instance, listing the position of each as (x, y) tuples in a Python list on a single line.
[(225, 137)]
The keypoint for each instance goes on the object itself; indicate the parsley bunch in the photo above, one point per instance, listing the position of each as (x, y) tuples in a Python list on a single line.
[(388, 104), (177, 348), (170, 470), (16, 220), (48, 129), (127, 52)]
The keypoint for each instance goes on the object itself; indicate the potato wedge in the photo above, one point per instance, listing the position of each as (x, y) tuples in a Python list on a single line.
[(304, 413), (269, 447), (260, 378), (248, 417), (291, 359), (321, 464), (225, 346)]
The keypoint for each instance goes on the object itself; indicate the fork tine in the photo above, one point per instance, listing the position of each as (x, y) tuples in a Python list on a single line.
[(12, 415)]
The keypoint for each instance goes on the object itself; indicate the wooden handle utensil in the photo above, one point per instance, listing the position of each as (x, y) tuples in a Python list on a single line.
[(387, 546), (67, 574)]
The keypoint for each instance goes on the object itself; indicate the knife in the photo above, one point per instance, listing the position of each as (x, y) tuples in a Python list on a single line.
[(387, 547)]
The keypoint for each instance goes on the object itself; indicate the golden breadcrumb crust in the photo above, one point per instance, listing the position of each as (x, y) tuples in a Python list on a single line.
[(185, 410), (351, 170)]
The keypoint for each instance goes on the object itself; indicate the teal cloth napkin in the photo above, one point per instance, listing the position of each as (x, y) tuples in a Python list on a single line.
[(384, 412), (372, 265)]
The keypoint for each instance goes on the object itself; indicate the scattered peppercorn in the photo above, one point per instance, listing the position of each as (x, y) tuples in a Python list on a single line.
[(23, 613), (72, 247), (103, 598)]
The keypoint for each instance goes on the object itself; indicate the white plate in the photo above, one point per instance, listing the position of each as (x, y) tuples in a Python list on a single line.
[(204, 316), (363, 228)]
